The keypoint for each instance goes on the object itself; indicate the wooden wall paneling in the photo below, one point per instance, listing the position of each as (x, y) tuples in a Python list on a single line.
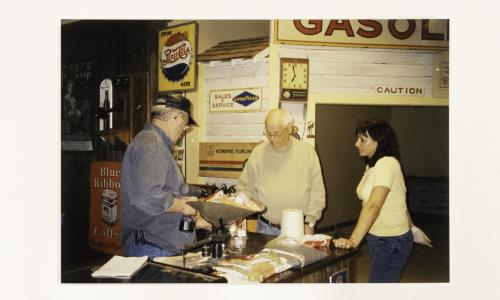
[(136, 48), (367, 91), (235, 126), (366, 81), (318, 67), (224, 138), (355, 55), (408, 70), (152, 36), (75, 205), (234, 130), (235, 118), (240, 70), (232, 77), (361, 91), (365, 85), (234, 49), (118, 47), (292, 52), (121, 102), (139, 103), (352, 69), (227, 83), (233, 54)]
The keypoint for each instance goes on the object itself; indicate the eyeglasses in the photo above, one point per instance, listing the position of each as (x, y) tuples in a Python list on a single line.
[(274, 134)]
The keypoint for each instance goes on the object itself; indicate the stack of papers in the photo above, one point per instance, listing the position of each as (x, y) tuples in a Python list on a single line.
[(121, 267)]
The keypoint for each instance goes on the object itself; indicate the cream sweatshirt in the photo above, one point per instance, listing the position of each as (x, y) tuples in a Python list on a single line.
[(285, 178)]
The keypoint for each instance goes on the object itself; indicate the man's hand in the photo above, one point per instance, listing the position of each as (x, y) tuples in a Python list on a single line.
[(179, 205), (188, 210), (201, 223), (308, 229)]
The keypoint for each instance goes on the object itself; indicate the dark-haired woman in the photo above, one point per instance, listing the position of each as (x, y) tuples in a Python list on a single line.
[(384, 218)]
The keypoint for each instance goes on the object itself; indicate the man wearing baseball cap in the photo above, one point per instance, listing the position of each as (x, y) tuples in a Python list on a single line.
[(152, 204)]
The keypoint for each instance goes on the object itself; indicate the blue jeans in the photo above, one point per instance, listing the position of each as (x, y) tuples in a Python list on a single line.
[(266, 228), (388, 256), (145, 250)]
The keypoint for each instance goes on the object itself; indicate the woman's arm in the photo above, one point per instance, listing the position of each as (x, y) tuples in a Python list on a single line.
[(410, 222), (367, 217)]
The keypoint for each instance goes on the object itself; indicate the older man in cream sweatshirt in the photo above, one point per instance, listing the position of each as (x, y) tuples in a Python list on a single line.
[(283, 173)]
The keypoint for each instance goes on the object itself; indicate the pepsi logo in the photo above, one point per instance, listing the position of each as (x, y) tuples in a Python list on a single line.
[(176, 57)]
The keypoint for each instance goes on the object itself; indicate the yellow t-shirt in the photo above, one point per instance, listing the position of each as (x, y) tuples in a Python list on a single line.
[(393, 220)]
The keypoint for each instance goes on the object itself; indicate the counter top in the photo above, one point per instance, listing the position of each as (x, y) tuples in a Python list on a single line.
[(256, 243), (152, 272), (158, 273)]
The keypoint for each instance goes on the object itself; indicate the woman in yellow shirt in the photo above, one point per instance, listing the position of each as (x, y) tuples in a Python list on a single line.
[(384, 218)]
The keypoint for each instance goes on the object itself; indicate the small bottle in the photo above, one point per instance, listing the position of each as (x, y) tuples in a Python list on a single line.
[(106, 107), (205, 250), (240, 242)]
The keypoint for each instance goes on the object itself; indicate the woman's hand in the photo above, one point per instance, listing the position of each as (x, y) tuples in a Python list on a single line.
[(343, 243), (420, 237)]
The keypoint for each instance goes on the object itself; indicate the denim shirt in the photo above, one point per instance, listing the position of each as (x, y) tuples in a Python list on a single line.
[(150, 179)]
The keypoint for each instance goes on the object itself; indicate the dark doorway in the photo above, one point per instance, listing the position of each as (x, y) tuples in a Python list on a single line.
[(423, 134)]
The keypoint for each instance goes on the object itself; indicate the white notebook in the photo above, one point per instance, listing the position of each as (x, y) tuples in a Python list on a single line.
[(119, 266)]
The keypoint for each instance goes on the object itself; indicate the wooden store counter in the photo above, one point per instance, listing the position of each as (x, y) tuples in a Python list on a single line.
[(338, 265)]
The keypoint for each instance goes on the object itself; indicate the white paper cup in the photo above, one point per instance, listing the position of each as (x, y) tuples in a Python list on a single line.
[(292, 223)]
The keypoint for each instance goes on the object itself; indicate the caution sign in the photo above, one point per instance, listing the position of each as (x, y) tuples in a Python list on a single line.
[(224, 159), (104, 223)]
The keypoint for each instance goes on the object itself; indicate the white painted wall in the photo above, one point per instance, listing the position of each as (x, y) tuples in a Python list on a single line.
[(357, 71), (236, 126)]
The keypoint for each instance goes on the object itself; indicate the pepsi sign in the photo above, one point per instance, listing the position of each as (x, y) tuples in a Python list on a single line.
[(177, 58)]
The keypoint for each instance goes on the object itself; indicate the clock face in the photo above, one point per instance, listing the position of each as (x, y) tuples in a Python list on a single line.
[(294, 75), (294, 79)]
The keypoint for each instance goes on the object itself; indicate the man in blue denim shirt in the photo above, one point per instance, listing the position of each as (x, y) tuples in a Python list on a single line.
[(151, 203)]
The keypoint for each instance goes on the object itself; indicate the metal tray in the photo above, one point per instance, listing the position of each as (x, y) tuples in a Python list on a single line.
[(213, 211)]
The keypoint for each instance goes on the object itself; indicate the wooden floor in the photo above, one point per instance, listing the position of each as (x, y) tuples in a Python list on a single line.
[(425, 264)]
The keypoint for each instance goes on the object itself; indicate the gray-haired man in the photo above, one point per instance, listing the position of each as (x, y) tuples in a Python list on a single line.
[(151, 203), (283, 173)]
